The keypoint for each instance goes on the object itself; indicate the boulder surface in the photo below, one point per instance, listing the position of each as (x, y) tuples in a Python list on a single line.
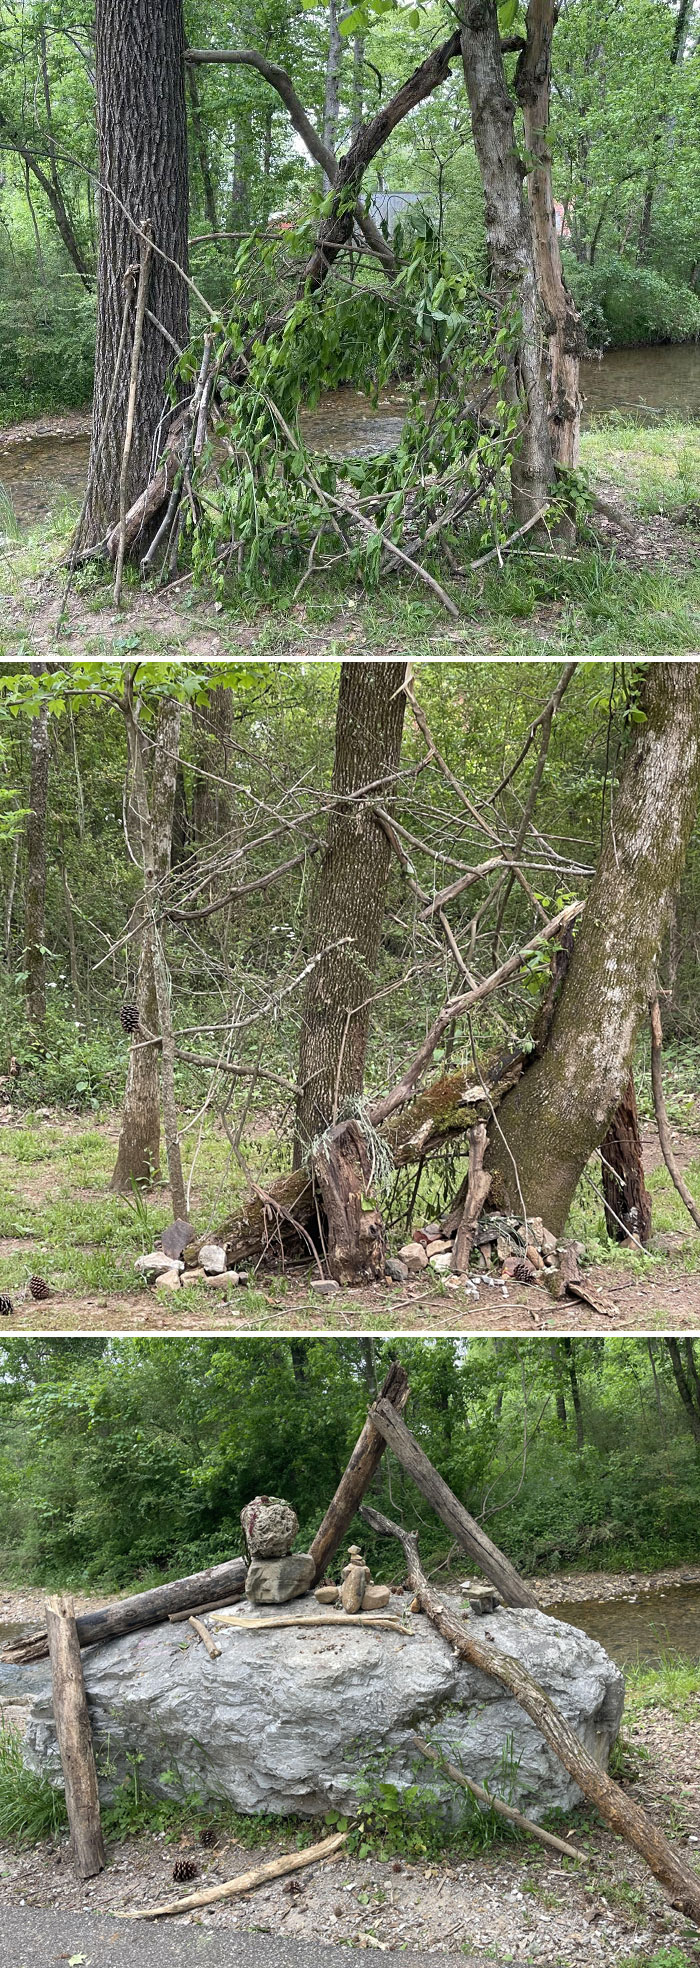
[(287, 1722)]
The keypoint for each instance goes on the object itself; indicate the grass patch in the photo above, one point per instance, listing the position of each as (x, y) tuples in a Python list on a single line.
[(673, 1685), (30, 1808)]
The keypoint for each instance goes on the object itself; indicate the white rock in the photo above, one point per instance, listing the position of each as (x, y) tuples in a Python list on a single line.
[(155, 1262), (168, 1281), (285, 1722), (442, 1262), (212, 1258)]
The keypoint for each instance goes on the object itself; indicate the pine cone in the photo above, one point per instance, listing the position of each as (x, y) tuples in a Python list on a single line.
[(129, 1019), (6, 1306), (208, 1836), (184, 1869), (39, 1288), (524, 1272)]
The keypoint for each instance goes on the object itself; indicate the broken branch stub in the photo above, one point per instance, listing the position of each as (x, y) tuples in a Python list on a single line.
[(355, 1234), (620, 1812)]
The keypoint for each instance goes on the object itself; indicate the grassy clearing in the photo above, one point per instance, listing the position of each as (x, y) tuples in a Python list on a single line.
[(592, 606), (674, 1685), (59, 1217)]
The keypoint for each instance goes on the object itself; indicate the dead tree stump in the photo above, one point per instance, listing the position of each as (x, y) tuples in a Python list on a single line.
[(627, 1199), (355, 1233), (479, 1185), (74, 1737)]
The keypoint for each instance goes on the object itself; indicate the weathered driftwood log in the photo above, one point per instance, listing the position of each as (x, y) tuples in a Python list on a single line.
[(462, 1527), (618, 1811), (244, 1883), (357, 1476), (497, 1804), (355, 1242), (74, 1737), (221, 1585), (479, 1183), (627, 1199)]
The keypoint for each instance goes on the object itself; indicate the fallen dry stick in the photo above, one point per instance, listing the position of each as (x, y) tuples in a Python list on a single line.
[(497, 1804), (206, 1639), (245, 1881), (318, 1619)]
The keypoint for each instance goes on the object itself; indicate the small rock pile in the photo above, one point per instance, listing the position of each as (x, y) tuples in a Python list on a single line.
[(275, 1573), (356, 1593), (502, 1246), (180, 1262)]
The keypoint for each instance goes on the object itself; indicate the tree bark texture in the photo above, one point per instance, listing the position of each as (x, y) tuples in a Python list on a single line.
[(220, 1585), (142, 129), (461, 1526), (627, 1199), (35, 898), (618, 1810), (212, 736), (510, 249), (357, 1476), (138, 1156), (563, 1104), (74, 1737), (687, 1379), (564, 337), (349, 896)]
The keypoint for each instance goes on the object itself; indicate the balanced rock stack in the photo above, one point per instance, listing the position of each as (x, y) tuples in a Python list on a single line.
[(276, 1573), (356, 1593)]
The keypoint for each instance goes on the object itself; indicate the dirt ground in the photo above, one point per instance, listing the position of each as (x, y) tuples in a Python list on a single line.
[(622, 1299)]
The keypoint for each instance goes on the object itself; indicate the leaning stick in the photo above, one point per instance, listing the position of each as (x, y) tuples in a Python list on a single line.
[(317, 1619), (144, 271), (622, 1814), (357, 1476), (497, 1803), (657, 1087), (245, 1881)]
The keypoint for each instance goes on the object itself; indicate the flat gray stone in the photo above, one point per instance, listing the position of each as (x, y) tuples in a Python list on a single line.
[(272, 1581), (286, 1721), (326, 1287)]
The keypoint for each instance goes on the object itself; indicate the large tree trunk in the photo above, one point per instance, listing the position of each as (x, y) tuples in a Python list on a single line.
[(566, 341), (349, 896), (687, 1381), (142, 129), (212, 736), (35, 900), (138, 1157), (563, 1104), (510, 248)]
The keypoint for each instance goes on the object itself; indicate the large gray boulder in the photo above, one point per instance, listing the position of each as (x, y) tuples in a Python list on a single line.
[(287, 1722)]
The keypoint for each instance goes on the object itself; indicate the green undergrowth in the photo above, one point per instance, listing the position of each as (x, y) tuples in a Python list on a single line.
[(673, 1684)]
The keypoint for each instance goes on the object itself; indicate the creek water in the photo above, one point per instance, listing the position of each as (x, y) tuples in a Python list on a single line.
[(640, 1628), (39, 471)]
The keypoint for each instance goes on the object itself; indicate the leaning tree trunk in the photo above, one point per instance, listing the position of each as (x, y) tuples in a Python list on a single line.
[(510, 249), (349, 896), (142, 129), (138, 1157), (563, 1104), (565, 339), (35, 899)]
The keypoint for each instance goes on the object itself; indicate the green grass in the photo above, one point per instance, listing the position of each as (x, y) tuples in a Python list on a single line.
[(590, 606), (30, 1808), (673, 1685)]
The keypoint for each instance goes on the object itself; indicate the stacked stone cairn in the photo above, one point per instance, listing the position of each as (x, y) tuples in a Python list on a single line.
[(356, 1593), (275, 1573)]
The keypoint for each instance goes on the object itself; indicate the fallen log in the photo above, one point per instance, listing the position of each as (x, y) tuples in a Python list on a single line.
[(621, 1813), (357, 1476), (463, 1528), (221, 1585), (498, 1805), (74, 1734), (245, 1882)]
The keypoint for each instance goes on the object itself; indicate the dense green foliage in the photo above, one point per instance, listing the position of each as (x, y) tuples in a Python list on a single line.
[(121, 1458), (625, 125)]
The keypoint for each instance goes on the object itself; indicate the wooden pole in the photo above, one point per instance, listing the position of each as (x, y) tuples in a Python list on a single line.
[(221, 1585), (74, 1737), (356, 1478), (461, 1526), (621, 1813)]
